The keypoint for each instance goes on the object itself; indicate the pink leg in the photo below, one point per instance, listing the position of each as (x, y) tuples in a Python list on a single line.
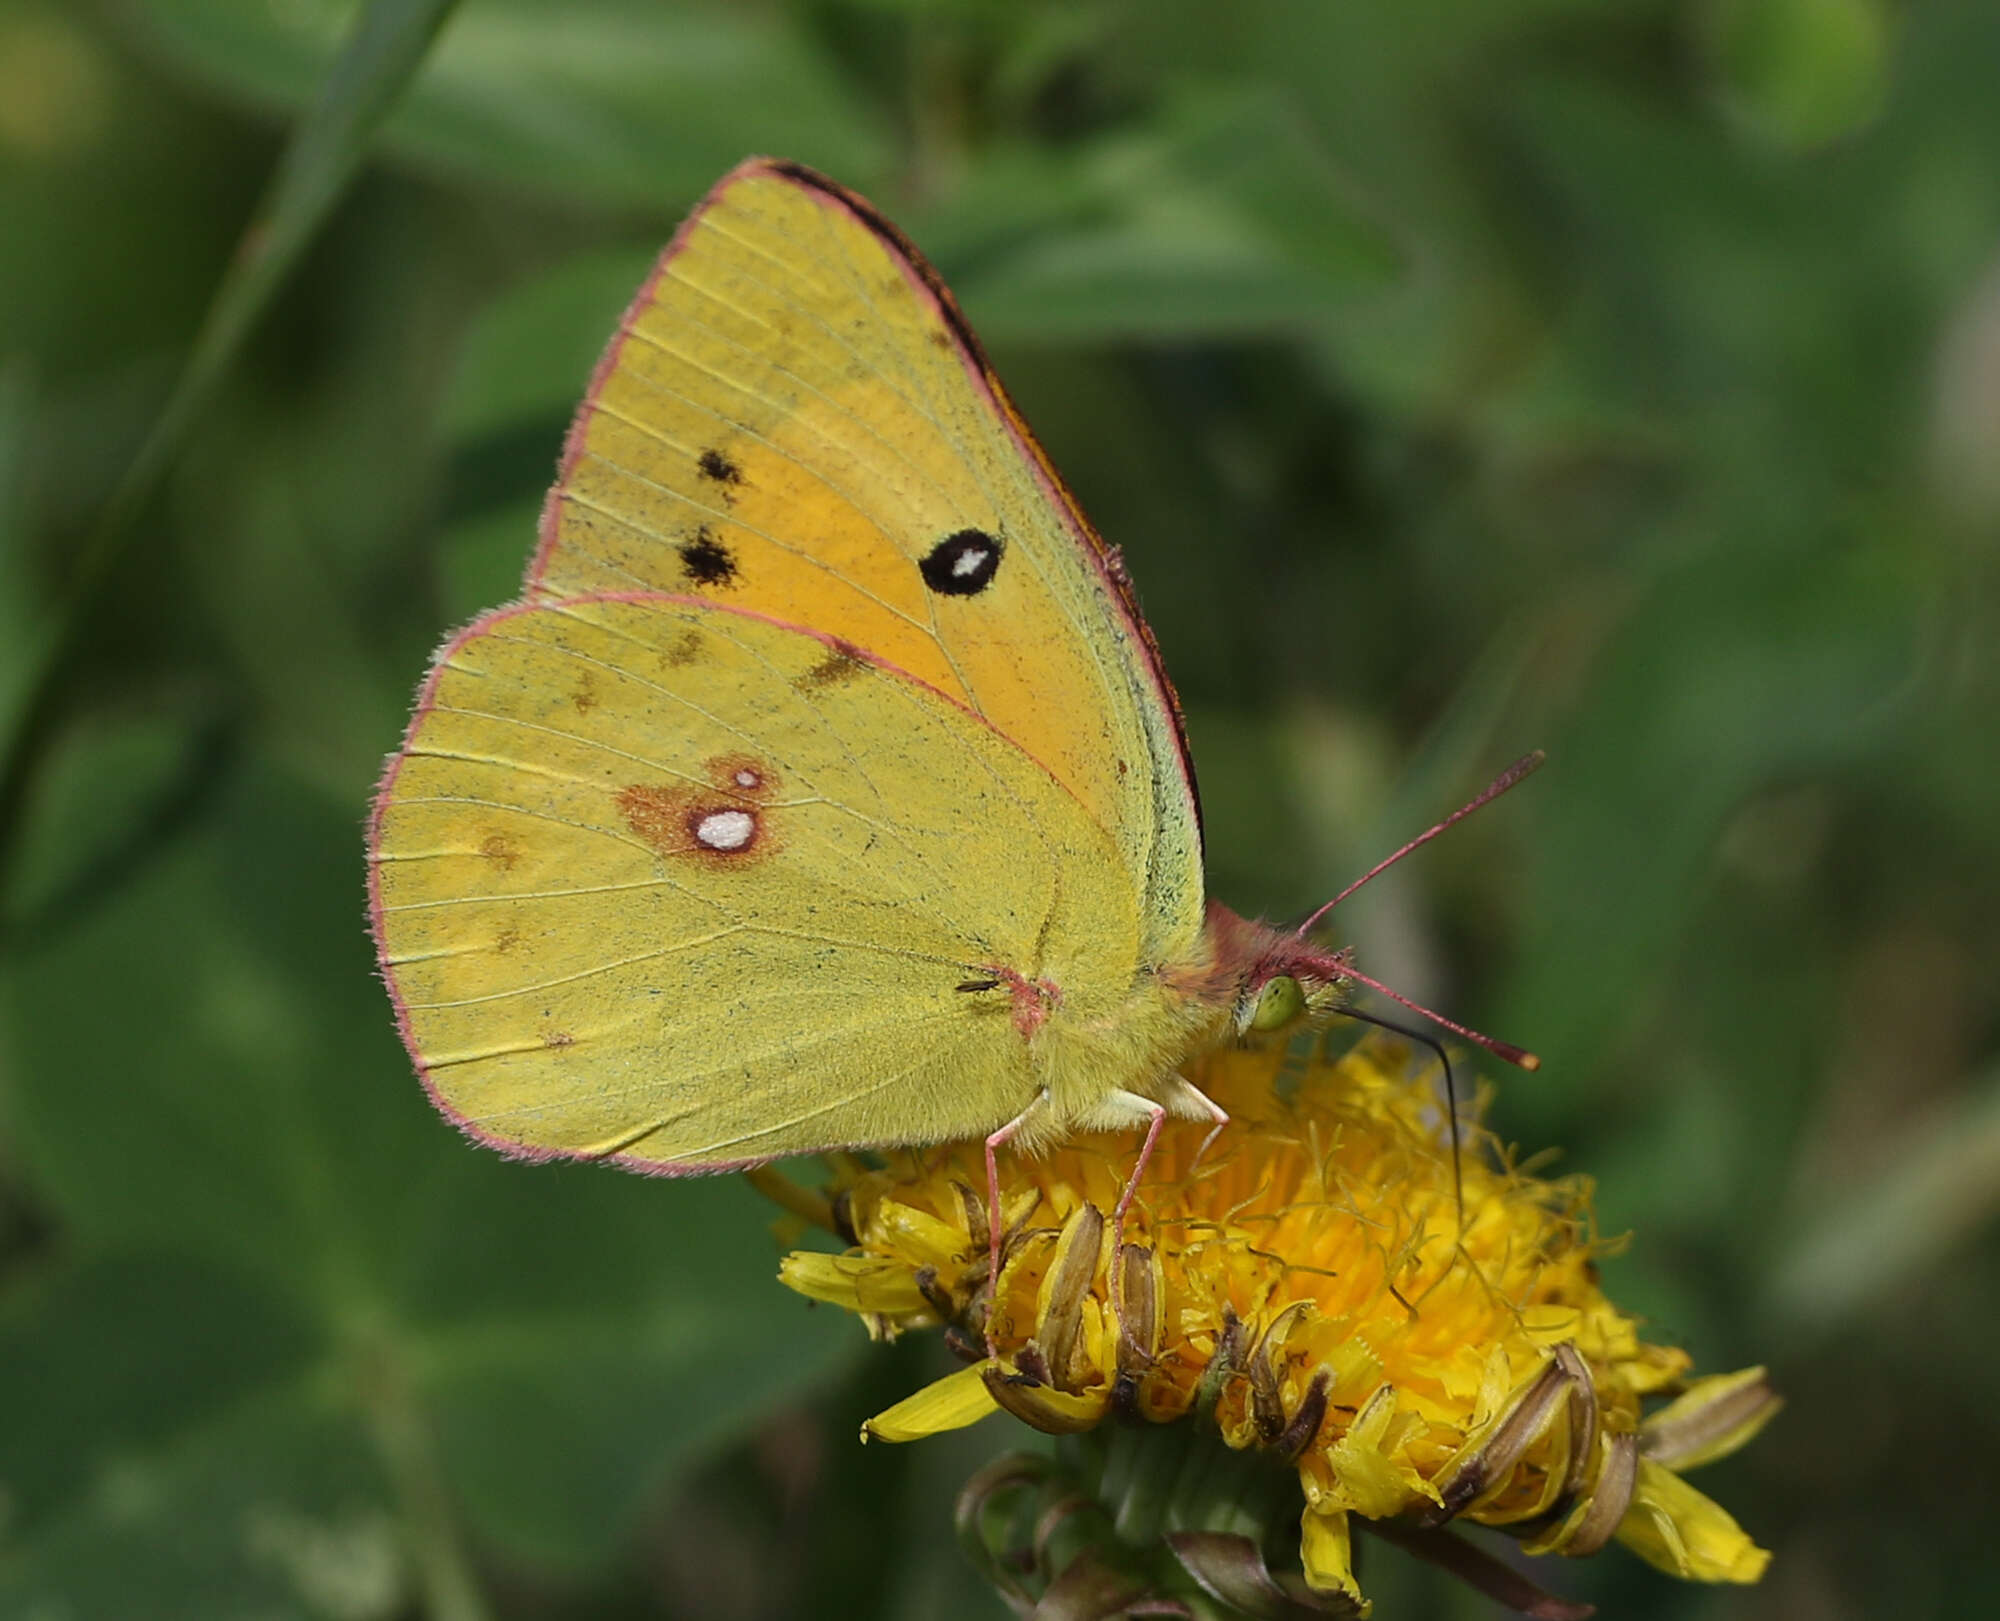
[(1000, 1139), (1159, 1114)]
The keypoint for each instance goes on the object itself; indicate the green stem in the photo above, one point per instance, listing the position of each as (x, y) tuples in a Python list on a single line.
[(401, 1431)]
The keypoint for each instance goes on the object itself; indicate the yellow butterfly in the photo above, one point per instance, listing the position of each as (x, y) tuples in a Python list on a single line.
[(824, 789)]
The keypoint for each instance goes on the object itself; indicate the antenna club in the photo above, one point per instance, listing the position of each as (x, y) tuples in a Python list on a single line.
[(1500, 1049)]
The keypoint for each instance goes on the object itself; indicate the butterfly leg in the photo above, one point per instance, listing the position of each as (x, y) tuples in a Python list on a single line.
[(1190, 1101), (998, 1140), (1156, 1114)]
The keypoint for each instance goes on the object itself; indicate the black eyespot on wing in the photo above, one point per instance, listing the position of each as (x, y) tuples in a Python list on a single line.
[(706, 560), (719, 467), (962, 565)]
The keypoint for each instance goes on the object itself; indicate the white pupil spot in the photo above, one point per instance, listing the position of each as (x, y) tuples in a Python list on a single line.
[(747, 778), (726, 830), (969, 561)]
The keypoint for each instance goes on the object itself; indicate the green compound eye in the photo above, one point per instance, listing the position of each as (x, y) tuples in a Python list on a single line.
[(1281, 1002)]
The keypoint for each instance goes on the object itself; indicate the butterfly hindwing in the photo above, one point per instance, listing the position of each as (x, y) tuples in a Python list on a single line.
[(673, 883)]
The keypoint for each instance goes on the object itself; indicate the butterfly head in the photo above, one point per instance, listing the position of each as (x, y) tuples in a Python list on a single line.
[(1279, 998), (1276, 983)]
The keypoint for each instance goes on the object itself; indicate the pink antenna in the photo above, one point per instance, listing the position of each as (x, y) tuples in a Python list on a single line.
[(1493, 790), (1493, 1044)]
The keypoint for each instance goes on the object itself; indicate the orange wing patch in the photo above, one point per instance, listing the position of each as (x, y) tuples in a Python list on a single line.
[(795, 419)]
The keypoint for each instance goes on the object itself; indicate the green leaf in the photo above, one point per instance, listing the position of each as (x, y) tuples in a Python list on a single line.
[(165, 1455), (248, 1100), (1740, 669), (359, 85), (388, 44), (111, 789), (315, 1269), (614, 101), (528, 356), (1871, 1239), (481, 559), (556, 1425), (524, 364), (1225, 219), (281, 1515), (1801, 72), (18, 596), (121, 1356)]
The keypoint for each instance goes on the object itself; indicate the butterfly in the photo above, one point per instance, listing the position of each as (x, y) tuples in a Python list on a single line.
[(824, 789)]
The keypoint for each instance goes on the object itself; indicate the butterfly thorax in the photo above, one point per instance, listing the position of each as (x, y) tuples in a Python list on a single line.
[(1084, 1058), (1231, 982)]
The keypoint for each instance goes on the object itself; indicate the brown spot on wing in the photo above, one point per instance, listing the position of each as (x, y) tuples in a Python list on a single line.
[(843, 662), (683, 650), (719, 826), (502, 851), (656, 814)]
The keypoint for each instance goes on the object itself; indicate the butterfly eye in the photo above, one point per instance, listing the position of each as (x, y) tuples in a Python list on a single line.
[(1280, 1002)]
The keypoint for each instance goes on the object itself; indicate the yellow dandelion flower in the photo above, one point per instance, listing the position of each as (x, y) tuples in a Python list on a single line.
[(1417, 1336)]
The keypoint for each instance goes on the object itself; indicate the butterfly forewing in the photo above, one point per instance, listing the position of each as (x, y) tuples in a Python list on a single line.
[(794, 419)]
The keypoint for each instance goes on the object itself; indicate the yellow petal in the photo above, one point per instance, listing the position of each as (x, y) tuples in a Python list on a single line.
[(1367, 1478), (855, 1282), (1710, 1420), (1053, 1412), (956, 1400), (1550, 1325), (1327, 1548), (1674, 1527), (920, 1238)]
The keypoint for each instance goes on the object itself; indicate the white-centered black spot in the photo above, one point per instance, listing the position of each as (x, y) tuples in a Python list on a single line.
[(962, 565)]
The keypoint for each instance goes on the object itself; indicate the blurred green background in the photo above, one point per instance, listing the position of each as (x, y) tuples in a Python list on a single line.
[(1460, 376)]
